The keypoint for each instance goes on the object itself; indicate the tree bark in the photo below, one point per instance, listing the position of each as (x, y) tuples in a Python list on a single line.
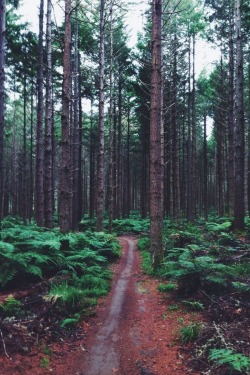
[(39, 195), (231, 116), (239, 141), (100, 160), (2, 77), (48, 155), (156, 138), (65, 163)]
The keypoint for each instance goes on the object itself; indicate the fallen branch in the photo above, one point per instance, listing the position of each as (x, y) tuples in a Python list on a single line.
[(4, 347)]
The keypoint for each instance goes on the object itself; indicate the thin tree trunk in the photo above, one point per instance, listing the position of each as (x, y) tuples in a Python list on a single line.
[(65, 167), (205, 167), (76, 145), (48, 156), (231, 116), (156, 138), (239, 208), (2, 77), (39, 195), (100, 161), (194, 159), (176, 156)]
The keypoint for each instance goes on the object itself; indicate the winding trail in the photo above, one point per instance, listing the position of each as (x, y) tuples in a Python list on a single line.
[(131, 333)]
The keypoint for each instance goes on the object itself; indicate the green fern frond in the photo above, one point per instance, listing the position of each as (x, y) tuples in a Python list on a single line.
[(235, 361), (6, 249), (242, 287), (216, 279), (216, 227), (6, 274), (33, 270), (88, 256)]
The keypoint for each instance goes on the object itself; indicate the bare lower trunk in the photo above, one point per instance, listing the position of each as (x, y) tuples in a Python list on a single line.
[(239, 208), (65, 167), (100, 160), (48, 155), (39, 196), (156, 139)]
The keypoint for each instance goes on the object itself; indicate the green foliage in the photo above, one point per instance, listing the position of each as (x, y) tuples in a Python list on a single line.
[(44, 362), (219, 227), (35, 252), (130, 226), (144, 248), (194, 305), (65, 296), (10, 306), (190, 332), (170, 287), (133, 225), (242, 287), (174, 307), (70, 321), (235, 361), (144, 243), (192, 270)]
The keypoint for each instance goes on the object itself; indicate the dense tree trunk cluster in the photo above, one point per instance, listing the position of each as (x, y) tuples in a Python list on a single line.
[(89, 127)]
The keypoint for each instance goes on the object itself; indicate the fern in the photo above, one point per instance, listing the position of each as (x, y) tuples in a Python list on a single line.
[(65, 295), (235, 361), (10, 306), (6, 274), (242, 287), (6, 249), (218, 228)]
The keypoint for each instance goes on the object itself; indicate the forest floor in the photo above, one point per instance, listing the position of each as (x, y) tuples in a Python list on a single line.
[(134, 331)]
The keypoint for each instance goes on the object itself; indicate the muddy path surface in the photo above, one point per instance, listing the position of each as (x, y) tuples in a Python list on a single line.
[(131, 333)]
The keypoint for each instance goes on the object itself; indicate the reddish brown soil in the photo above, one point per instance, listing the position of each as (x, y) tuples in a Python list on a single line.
[(133, 332)]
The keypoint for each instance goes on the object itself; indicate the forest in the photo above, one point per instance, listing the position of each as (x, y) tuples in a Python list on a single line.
[(99, 139)]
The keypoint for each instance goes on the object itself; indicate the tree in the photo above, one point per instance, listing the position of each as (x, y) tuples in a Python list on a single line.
[(156, 138), (39, 193), (239, 209), (2, 39), (48, 152), (100, 160), (65, 167)]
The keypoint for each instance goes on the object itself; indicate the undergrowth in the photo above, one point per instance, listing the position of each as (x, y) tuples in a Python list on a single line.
[(208, 269), (69, 271)]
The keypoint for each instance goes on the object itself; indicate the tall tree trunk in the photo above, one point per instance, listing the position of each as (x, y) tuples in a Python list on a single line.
[(231, 116), (194, 158), (76, 143), (2, 76), (39, 195), (91, 167), (24, 200), (127, 207), (205, 168), (65, 167), (239, 208), (48, 156), (111, 166), (119, 149), (176, 156), (156, 138), (189, 139), (31, 184), (100, 160)]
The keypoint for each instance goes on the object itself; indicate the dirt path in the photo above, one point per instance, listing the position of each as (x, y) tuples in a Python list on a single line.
[(133, 334)]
